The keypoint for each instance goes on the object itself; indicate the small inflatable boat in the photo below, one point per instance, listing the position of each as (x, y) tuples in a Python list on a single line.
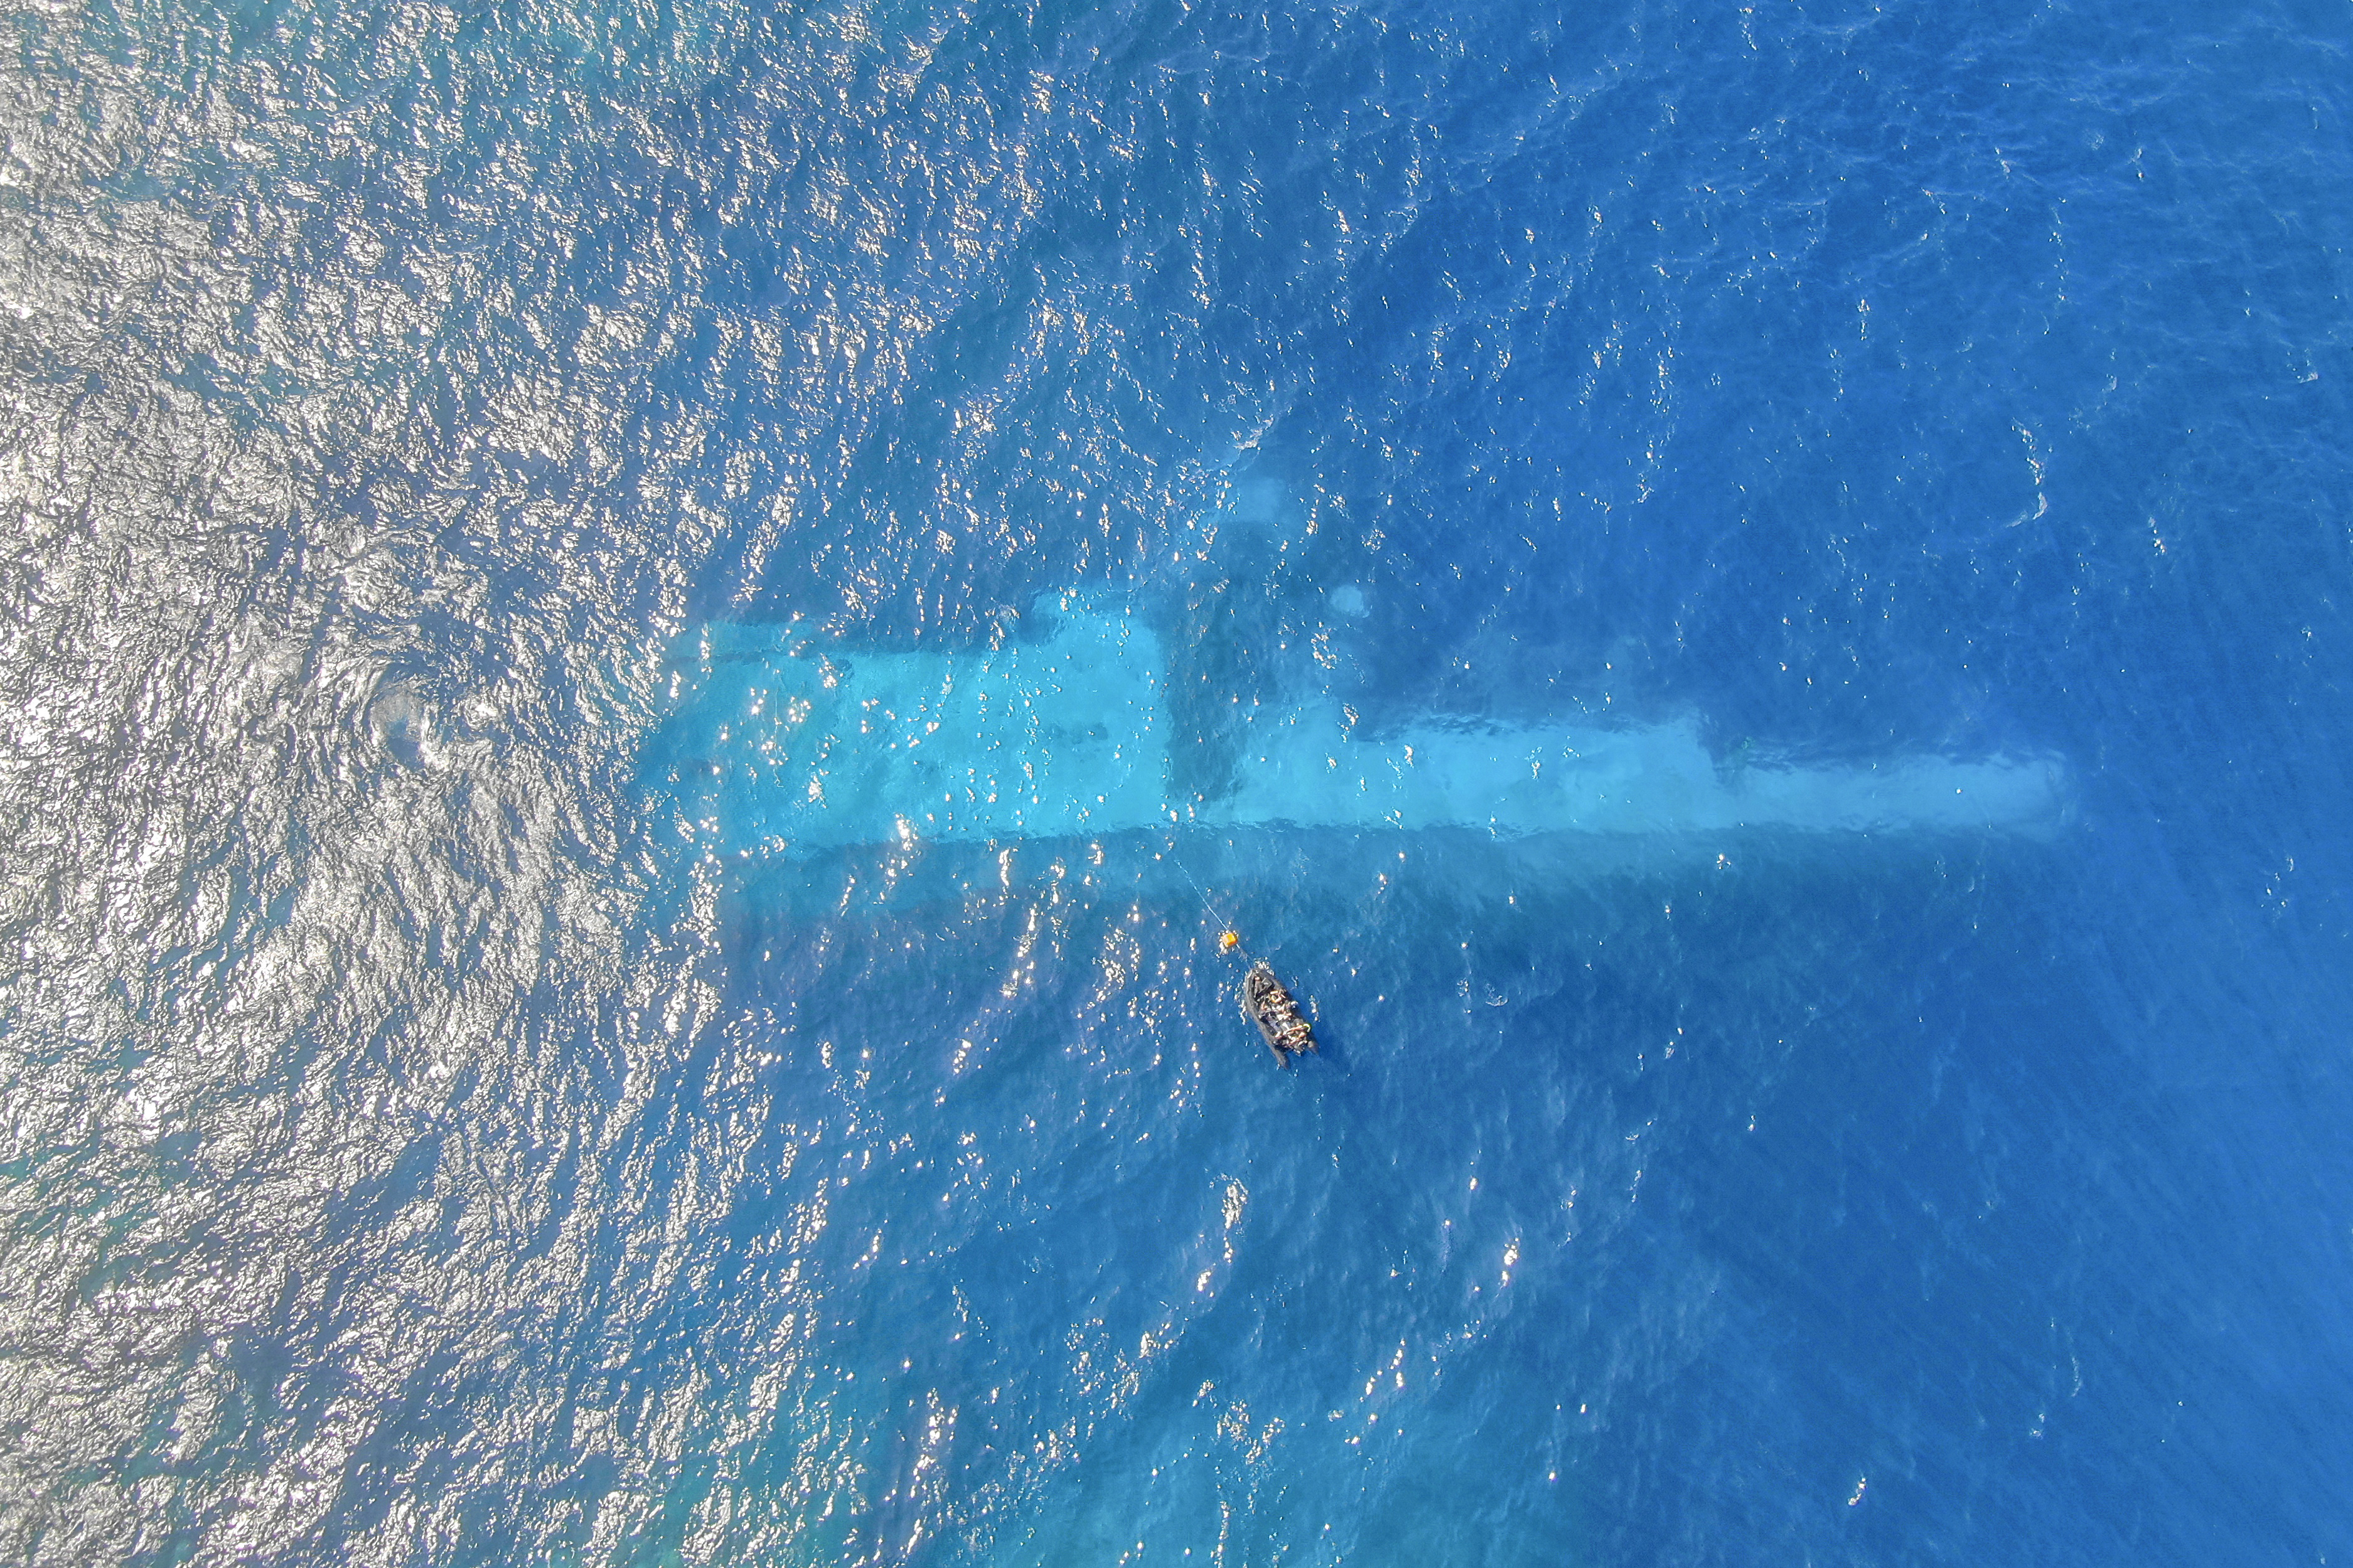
[(1276, 1013)]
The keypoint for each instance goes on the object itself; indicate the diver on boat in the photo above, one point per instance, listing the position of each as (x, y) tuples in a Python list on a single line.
[(1276, 1013)]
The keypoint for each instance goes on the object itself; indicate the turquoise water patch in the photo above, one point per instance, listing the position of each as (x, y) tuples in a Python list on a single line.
[(781, 744)]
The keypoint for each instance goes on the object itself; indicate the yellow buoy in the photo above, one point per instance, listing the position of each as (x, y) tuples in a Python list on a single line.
[(1230, 941)]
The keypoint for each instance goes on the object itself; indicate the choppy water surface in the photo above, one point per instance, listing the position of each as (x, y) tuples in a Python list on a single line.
[(444, 1125)]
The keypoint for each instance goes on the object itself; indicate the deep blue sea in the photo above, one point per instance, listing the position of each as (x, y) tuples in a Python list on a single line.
[(476, 1087)]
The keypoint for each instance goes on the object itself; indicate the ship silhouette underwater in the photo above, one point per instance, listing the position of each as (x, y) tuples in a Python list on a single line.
[(783, 747)]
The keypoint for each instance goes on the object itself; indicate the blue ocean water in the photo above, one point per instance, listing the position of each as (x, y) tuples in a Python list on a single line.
[(433, 1134)]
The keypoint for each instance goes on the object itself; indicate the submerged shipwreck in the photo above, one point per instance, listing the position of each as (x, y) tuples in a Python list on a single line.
[(782, 745), (783, 750)]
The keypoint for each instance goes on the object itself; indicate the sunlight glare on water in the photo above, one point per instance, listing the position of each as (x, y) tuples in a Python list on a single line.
[(642, 654)]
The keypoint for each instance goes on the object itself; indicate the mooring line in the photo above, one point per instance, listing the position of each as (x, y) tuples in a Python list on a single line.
[(1230, 938)]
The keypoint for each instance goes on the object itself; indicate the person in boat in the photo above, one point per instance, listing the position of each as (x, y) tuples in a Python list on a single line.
[(1276, 1013)]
